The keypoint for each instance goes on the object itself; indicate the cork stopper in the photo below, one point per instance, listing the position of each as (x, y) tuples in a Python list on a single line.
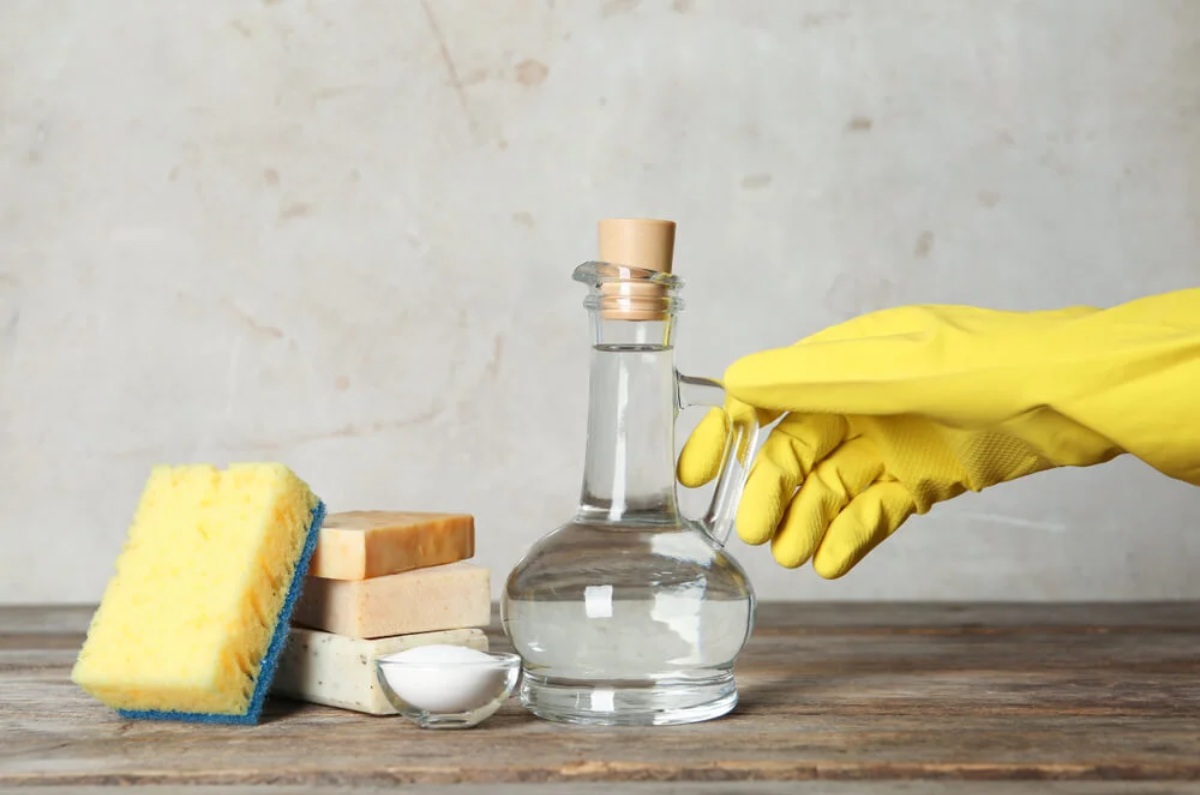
[(638, 243), (646, 243)]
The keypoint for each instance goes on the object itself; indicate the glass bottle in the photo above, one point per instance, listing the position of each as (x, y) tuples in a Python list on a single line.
[(631, 613)]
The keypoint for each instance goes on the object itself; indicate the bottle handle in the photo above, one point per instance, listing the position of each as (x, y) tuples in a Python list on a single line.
[(740, 446)]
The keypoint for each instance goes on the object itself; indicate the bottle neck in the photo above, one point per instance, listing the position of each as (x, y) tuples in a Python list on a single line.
[(629, 475)]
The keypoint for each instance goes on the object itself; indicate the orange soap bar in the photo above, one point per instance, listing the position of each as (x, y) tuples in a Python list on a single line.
[(356, 545), (454, 596)]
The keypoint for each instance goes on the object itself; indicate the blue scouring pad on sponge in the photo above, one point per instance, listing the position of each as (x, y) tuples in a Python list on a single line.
[(192, 624)]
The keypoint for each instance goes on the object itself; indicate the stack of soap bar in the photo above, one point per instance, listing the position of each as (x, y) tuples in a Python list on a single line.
[(381, 582)]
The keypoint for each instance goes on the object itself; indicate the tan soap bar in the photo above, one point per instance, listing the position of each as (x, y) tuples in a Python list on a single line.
[(355, 545), (452, 596), (340, 672)]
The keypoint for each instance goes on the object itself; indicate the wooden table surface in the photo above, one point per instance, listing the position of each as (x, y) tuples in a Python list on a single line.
[(847, 697)]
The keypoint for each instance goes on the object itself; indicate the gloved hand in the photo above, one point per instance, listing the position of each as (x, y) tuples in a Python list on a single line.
[(890, 413)]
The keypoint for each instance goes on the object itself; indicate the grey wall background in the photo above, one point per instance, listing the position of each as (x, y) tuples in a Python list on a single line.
[(340, 235)]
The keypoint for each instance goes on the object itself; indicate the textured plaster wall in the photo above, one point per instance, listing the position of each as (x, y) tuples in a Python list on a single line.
[(340, 235)]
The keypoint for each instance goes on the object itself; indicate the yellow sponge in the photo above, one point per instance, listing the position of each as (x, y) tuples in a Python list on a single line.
[(192, 622)]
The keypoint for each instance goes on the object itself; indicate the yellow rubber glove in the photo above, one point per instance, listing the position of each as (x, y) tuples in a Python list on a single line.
[(887, 414)]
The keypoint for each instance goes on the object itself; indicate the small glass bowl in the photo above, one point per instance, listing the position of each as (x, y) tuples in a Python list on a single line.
[(449, 695)]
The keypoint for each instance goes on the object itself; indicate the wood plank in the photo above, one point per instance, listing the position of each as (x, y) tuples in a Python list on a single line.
[(901, 617), (1071, 692), (44, 619), (678, 788)]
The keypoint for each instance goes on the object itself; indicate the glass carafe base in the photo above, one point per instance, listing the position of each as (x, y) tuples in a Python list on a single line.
[(623, 703), (620, 625)]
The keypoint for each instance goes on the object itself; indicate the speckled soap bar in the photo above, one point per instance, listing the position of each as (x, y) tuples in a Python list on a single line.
[(340, 672)]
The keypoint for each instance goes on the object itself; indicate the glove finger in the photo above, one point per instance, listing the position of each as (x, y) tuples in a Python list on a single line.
[(768, 490), (833, 484), (700, 459), (705, 449), (791, 451), (866, 521)]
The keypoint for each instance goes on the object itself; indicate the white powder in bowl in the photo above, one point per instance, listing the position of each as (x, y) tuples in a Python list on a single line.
[(444, 679)]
